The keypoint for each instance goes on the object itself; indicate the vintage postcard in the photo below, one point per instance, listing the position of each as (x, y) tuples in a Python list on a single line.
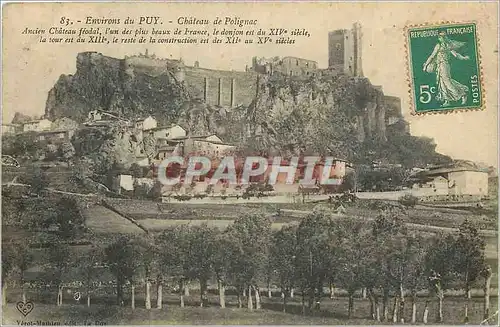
[(246, 163)]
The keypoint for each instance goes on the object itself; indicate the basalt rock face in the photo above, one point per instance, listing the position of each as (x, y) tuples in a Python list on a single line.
[(109, 84), (322, 114)]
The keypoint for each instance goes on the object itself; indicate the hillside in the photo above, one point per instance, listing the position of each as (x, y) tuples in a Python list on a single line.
[(326, 113)]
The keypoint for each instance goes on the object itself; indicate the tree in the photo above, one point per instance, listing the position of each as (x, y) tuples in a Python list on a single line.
[(440, 263), (469, 258), (89, 266), (122, 259), (8, 265), (415, 278), (52, 152), (224, 252), (66, 218), (354, 247), (173, 256), (37, 179), (389, 234), (66, 151), (201, 247), (282, 257), (147, 251), (315, 260), (251, 236), (22, 259), (59, 258)]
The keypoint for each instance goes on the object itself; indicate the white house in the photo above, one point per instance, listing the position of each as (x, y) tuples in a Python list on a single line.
[(37, 125), (123, 182), (10, 128), (172, 132), (455, 181), (145, 124)]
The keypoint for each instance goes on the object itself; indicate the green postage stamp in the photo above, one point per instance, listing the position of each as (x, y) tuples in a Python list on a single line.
[(444, 68)]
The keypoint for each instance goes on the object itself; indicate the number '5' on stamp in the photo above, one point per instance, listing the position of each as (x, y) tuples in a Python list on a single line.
[(444, 68)]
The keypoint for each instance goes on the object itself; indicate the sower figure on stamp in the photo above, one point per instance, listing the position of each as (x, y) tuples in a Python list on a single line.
[(439, 62)]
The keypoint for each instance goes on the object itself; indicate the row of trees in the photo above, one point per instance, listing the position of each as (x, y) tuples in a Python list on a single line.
[(384, 258)]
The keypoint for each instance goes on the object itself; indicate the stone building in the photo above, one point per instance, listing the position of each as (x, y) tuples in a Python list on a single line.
[(454, 181), (344, 51), (292, 66), (37, 125)]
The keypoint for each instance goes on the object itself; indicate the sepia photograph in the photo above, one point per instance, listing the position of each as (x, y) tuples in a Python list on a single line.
[(249, 163)]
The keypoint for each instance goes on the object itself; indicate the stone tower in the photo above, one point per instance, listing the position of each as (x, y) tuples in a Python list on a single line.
[(344, 51)]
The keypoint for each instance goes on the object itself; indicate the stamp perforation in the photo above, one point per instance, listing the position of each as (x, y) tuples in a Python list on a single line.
[(409, 76)]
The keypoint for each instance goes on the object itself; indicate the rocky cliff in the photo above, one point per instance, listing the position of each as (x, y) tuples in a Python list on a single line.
[(321, 114), (108, 84)]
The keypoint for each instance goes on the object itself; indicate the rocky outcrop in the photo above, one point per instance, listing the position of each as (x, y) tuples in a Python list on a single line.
[(108, 84), (325, 113)]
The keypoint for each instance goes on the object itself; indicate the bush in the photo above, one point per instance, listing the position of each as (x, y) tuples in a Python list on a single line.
[(408, 200)]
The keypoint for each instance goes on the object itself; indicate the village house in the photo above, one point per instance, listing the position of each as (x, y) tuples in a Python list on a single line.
[(171, 132), (58, 136), (146, 124), (209, 145), (37, 125), (123, 183), (11, 128), (454, 181)]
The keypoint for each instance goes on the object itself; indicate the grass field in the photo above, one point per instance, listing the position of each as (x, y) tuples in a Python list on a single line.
[(332, 312)]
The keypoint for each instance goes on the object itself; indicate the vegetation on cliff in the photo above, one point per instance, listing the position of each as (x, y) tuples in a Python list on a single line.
[(326, 114)]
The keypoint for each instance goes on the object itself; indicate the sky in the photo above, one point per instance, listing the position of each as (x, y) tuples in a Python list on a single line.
[(30, 68)]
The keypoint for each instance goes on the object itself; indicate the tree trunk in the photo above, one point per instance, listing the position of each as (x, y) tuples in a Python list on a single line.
[(363, 293), (374, 297), (401, 304), (440, 306), (59, 295), (426, 312), (182, 292), (395, 310), (385, 305), (240, 302), (148, 295), (132, 290), (284, 302), (414, 308), (222, 294), (350, 309), (467, 302), (88, 300), (372, 306), (159, 295), (250, 301), (203, 289), (486, 290), (23, 291), (119, 292), (244, 293), (292, 292), (257, 298), (4, 293), (377, 310), (303, 303)]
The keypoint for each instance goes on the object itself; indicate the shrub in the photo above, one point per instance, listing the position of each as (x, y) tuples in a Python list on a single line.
[(408, 200)]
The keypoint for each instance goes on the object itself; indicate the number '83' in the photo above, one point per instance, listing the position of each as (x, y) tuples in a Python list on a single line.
[(426, 93)]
